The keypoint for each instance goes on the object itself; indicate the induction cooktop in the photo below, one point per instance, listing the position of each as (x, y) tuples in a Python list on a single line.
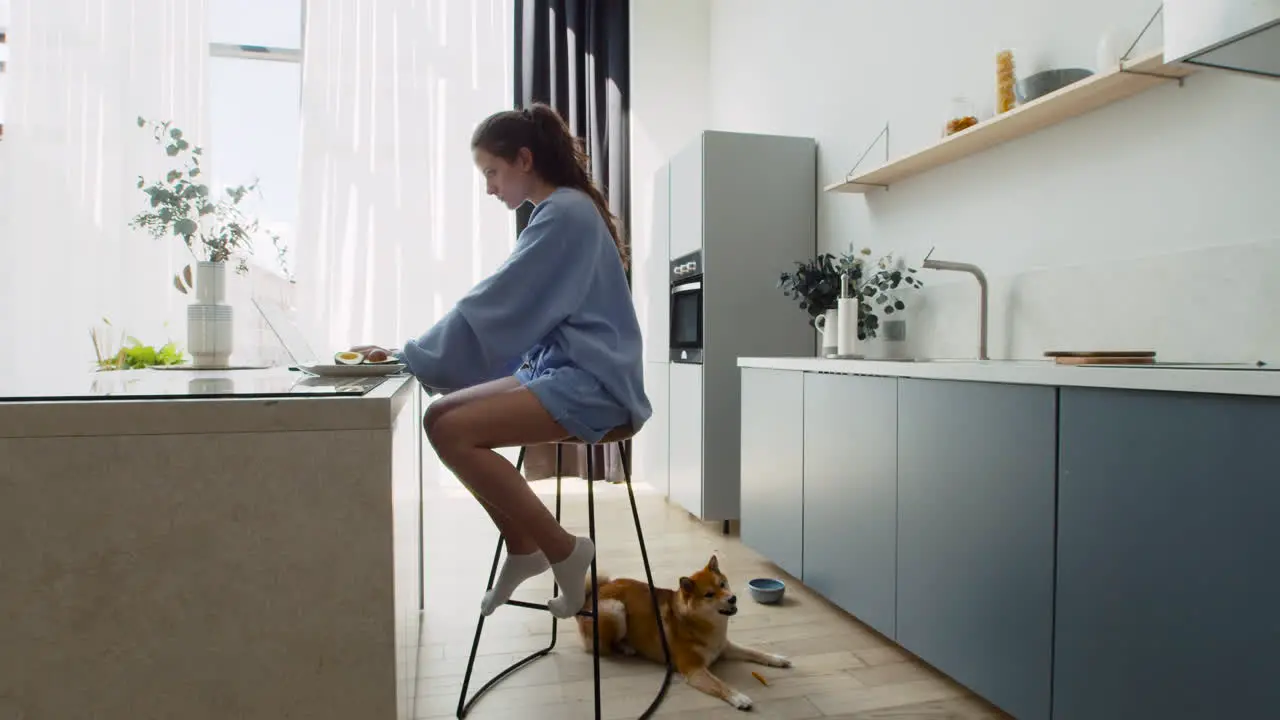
[(176, 385)]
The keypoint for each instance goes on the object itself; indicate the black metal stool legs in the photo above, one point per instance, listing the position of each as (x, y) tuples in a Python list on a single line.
[(464, 705), (653, 591), (595, 587)]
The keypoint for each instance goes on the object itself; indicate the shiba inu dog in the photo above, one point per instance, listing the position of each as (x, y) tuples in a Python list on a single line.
[(696, 620)]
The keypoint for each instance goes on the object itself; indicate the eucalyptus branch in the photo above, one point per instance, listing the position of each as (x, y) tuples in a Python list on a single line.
[(180, 205)]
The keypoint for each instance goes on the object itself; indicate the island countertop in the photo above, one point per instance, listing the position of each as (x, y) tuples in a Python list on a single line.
[(258, 527), (151, 401), (1212, 378)]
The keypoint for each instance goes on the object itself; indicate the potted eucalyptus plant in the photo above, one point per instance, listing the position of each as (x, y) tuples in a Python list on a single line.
[(213, 229), (880, 294), (815, 285)]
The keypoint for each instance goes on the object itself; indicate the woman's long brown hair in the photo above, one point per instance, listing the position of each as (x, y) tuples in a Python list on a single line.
[(557, 156)]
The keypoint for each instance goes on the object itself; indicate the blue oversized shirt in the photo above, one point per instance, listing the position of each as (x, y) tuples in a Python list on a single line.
[(560, 298)]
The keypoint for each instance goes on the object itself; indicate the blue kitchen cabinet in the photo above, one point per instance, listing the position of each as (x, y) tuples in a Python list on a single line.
[(1167, 536), (976, 476), (772, 452), (850, 476)]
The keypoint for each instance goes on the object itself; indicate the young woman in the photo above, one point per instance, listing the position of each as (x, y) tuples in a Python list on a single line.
[(545, 349)]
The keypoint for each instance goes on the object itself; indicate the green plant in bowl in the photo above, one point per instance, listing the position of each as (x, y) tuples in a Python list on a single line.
[(134, 355)]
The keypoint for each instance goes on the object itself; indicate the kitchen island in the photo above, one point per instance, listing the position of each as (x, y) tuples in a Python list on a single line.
[(209, 545), (1068, 542)]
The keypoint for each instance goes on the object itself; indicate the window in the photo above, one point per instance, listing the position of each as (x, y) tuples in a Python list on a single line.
[(255, 112), (273, 23)]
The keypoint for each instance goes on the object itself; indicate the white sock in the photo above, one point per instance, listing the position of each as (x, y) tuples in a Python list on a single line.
[(515, 570), (571, 575)]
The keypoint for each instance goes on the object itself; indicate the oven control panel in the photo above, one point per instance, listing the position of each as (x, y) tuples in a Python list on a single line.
[(687, 266)]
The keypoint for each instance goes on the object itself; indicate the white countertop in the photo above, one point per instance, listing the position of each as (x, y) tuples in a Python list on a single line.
[(1210, 378), (204, 401)]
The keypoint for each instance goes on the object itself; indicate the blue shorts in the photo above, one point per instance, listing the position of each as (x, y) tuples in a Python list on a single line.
[(576, 400)]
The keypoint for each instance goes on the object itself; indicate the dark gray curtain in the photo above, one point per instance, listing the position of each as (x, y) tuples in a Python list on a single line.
[(574, 56)]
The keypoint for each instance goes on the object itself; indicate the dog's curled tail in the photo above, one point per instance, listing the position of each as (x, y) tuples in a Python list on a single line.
[(602, 579)]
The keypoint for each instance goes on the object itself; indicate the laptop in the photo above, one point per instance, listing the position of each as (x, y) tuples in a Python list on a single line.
[(287, 332), (303, 353)]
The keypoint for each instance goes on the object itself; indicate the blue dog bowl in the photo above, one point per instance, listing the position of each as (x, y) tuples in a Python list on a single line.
[(766, 590)]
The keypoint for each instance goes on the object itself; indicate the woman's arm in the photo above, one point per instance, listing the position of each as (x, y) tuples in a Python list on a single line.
[(487, 333)]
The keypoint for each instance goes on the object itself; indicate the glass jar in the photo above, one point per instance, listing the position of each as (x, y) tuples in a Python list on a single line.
[(960, 116), (1006, 77)]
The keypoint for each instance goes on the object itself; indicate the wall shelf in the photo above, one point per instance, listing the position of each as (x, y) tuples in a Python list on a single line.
[(1082, 97)]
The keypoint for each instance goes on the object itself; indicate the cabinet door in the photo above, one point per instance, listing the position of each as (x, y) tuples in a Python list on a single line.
[(686, 200), (850, 475), (656, 285), (686, 436), (976, 475), (1167, 536), (653, 442), (772, 453)]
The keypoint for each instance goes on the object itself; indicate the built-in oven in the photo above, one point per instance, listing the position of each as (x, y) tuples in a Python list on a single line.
[(686, 308)]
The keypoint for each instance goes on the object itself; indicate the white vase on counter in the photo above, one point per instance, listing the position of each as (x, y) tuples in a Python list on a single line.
[(211, 283), (209, 318)]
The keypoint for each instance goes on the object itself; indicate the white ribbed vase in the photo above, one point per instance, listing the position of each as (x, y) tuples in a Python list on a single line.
[(209, 318)]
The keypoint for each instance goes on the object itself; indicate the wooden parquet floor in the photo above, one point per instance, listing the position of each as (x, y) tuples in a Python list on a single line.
[(842, 668)]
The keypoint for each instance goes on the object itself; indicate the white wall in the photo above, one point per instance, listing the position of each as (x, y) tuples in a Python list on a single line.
[(670, 104), (1152, 223)]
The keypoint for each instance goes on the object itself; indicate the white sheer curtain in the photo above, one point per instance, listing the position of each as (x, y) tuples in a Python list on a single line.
[(394, 222), (80, 73)]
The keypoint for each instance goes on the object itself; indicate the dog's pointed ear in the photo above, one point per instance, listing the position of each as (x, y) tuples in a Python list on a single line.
[(687, 585), (714, 564)]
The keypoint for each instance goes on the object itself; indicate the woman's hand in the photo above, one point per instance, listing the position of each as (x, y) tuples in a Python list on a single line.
[(366, 349), (374, 353)]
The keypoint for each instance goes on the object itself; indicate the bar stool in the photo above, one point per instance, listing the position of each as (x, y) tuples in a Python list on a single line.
[(618, 435)]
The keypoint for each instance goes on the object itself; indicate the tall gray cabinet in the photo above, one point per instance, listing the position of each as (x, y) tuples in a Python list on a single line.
[(748, 203), (649, 280)]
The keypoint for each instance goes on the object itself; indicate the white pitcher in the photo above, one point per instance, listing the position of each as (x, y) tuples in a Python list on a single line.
[(828, 324)]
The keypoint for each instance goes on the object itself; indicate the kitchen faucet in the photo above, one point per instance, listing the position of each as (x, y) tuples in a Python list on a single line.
[(982, 294)]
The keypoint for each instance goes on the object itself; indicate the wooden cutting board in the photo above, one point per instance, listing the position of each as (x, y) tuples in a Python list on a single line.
[(1072, 360), (1100, 353), (1102, 357)]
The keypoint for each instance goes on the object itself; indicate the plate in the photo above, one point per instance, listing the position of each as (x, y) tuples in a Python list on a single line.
[(361, 370), (188, 367)]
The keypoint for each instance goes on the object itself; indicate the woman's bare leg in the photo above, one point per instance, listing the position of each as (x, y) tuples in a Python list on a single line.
[(465, 439), (518, 541)]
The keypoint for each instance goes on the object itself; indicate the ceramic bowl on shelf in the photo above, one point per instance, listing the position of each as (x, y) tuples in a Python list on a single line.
[(1047, 81), (767, 591)]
